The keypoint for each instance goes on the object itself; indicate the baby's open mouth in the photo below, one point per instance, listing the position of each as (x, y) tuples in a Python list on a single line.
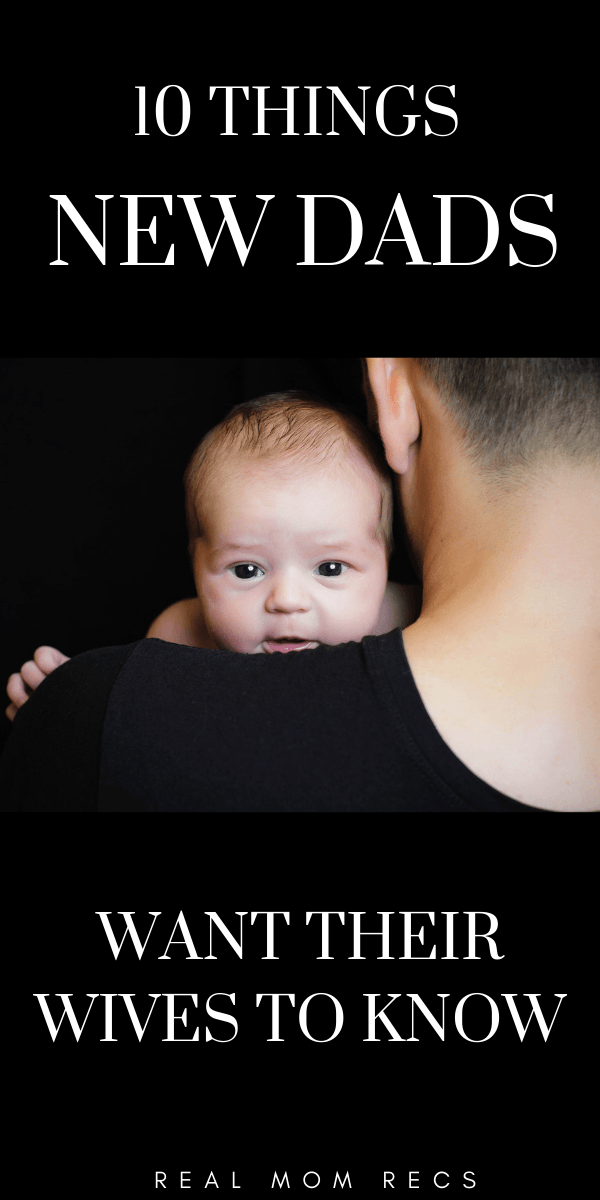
[(284, 645)]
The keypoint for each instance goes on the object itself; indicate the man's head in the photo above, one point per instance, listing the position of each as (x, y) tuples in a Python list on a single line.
[(289, 509), (462, 430)]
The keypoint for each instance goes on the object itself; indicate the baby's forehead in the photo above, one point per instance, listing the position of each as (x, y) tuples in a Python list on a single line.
[(262, 501), (271, 470)]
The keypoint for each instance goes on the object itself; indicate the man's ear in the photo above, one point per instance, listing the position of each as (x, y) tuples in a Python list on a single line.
[(397, 413)]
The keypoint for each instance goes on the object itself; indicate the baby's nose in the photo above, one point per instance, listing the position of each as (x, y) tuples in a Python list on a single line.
[(288, 594)]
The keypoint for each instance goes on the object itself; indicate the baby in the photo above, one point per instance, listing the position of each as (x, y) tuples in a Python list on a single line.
[(289, 509)]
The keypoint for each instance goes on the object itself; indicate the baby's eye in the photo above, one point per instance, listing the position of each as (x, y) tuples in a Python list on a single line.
[(329, 570), (247, 571)]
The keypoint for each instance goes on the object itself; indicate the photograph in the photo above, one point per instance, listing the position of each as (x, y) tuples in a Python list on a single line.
[(209, 623)]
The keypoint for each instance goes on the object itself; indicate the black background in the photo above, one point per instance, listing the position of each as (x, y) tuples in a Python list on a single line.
[(109, 1115), (102, 1118), (525, 125)]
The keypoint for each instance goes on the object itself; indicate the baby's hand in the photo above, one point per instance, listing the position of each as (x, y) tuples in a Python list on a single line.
[(20, 687)]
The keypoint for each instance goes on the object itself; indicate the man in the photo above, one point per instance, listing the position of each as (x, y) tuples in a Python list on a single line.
[(492, 703), (497, 463)]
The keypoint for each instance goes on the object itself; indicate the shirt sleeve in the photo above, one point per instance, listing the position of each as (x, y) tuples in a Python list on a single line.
[(51, 762)]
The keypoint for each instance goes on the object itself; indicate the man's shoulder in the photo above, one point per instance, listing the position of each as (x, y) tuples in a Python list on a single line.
[(169, 681), (192, 729), (52, 758), (92, 670)]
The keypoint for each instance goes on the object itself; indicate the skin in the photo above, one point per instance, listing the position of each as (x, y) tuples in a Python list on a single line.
[(317, 571), (506, 651)]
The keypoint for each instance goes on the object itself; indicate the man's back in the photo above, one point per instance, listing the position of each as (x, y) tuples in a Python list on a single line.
[(522, 715)]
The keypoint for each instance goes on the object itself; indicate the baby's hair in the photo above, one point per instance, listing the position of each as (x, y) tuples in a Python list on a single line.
[(296, 428)]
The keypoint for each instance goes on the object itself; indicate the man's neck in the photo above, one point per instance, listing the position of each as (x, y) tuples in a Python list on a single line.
[(531, 556), (506, 653)]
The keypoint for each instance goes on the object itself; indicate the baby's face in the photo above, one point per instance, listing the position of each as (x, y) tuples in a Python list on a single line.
[(288, 563)]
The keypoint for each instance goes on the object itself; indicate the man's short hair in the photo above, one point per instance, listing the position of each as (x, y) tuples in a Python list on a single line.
[(512, 410), (293, 427)]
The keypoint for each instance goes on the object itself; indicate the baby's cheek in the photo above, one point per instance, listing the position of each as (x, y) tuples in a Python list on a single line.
[(352, 616), (216, 613), (231, 622)]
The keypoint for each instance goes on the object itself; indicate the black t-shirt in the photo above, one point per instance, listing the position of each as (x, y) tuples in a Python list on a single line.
[(154, 727)]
